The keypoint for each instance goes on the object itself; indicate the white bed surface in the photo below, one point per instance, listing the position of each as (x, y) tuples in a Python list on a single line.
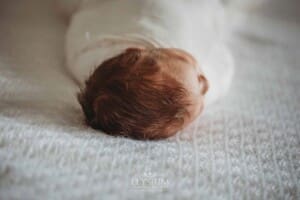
[(245, 147)]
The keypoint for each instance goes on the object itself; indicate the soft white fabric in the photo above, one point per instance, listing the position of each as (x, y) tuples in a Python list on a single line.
[(244, 147), (99, 30)]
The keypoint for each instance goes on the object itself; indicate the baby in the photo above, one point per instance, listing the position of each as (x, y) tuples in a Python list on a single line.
[(146, 68)]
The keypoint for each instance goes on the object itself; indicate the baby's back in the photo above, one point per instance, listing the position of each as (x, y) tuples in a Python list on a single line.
[(121, 24)]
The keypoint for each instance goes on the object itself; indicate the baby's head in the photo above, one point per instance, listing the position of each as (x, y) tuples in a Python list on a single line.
[(144, 93)]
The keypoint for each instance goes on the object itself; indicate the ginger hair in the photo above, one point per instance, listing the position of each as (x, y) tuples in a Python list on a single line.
[(130, 95)]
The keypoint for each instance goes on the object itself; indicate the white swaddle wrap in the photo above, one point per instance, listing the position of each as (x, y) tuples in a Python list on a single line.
[(102, 29)]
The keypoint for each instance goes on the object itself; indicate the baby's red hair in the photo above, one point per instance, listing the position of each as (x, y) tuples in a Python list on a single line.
[(131, 95)]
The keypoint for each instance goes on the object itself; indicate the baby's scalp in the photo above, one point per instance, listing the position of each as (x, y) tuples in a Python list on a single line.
[(132, 95)]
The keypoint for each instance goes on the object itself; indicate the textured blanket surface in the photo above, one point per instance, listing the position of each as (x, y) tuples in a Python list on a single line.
[(247, 146)]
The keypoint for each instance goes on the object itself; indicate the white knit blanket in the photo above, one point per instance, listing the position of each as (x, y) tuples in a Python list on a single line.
[(245, 147)]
